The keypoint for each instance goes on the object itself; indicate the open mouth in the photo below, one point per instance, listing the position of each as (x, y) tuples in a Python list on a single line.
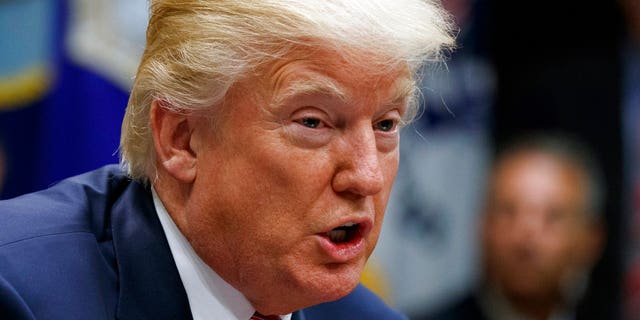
[(344, 233), (347, 241)]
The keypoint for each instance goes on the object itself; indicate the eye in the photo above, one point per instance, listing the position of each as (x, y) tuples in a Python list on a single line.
[(311, 122), (386, 125)]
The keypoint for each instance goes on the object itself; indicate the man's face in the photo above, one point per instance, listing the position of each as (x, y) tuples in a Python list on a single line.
[(536, 230), (292, 183)]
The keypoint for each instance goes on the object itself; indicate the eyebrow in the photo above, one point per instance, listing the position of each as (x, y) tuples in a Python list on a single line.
[(308, 86), (404, 88)]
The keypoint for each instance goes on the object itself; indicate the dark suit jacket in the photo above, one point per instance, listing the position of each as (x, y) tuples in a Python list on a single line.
[(467, 308), (92, 247)]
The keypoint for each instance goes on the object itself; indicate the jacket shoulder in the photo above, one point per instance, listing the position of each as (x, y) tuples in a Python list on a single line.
[(360, 304), (78, 204)]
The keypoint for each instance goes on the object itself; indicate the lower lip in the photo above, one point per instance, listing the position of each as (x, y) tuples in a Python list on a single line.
[(345, 251)]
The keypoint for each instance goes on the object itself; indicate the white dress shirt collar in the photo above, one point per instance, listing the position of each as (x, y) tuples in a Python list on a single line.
[(210, 297)]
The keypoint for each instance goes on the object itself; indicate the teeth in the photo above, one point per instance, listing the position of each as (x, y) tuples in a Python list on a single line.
[(343, 232), (337, 235)]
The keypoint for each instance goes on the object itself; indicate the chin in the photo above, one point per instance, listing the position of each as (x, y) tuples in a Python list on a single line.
[(333, 281), (528, 290), (306, 296), (340, 280), (309, 281)]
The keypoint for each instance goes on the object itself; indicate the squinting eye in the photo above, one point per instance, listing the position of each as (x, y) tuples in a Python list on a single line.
[(386, 125), (310, 122)]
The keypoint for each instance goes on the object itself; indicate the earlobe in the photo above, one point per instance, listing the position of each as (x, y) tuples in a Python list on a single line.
[(172, 134)]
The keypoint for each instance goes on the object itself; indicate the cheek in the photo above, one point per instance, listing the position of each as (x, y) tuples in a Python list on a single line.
[(390, 167), (391, 161), (278, 190), (389, 164), (494, 233), (563, 249)]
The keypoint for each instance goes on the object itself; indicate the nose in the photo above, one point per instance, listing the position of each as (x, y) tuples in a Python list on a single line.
[(528, 226), (359, 172)]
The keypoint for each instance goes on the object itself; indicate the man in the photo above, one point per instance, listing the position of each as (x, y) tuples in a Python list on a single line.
[(541, 233), (260, 144)]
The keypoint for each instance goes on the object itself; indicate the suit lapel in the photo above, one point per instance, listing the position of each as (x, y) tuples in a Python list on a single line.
[(149, 282), (298, 315)]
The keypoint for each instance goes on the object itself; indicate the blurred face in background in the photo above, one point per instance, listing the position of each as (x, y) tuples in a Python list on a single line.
[(538, 236)]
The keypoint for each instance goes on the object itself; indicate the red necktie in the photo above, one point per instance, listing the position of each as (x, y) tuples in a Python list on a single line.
[(257, 316)]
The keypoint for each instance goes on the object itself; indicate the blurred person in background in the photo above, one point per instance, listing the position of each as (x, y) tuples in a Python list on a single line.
[(555, 77), (541, 232)]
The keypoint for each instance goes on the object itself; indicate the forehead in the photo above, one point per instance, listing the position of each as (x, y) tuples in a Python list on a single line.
[(533, 162), (538, 176), (329, 73)]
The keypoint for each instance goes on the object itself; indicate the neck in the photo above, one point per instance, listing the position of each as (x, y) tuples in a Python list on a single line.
[(174, 196), (534, 308), (498, 304)]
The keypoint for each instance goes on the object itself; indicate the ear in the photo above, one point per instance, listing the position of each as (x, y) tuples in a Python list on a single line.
[(172, 134)]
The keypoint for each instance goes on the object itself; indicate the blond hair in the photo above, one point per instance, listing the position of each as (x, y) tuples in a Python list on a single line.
[(197, 49)]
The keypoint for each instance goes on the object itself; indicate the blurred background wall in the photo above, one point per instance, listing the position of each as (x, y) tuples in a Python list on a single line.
[(65, 71), (572, 66)]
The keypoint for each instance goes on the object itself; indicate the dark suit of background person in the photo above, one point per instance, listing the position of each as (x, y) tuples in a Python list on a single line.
[(93, 248), (466, 309)]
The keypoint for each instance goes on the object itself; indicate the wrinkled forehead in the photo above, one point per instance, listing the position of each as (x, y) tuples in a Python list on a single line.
[(347, 76)]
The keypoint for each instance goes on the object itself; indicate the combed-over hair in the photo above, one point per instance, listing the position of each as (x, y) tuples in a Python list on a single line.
[(197, 49)]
